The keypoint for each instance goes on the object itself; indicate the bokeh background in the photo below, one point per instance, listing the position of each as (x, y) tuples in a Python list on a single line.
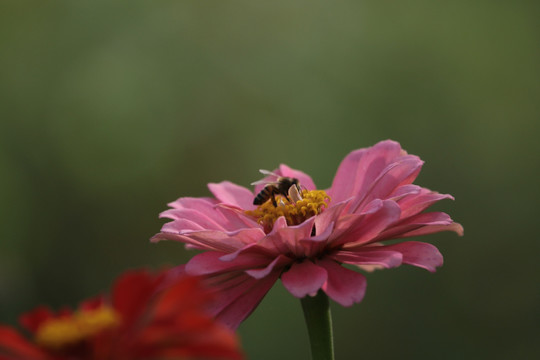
[(110, 109)]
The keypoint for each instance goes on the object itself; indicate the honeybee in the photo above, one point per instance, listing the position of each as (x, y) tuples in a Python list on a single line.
[(281, 186)]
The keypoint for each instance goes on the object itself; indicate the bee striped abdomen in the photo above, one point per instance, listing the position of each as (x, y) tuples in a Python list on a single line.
[(265, 194)]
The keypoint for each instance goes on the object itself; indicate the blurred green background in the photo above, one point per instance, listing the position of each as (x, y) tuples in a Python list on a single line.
[(110, 109)]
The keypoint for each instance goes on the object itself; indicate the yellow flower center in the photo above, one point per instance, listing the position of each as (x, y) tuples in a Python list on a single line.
[(70, 330), (308, 204)]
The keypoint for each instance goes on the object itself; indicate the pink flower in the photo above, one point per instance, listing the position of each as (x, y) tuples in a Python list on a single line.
[(305, 241)]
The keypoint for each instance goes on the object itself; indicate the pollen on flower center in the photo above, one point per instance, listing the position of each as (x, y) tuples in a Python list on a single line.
[(70, 330), (296, 211)]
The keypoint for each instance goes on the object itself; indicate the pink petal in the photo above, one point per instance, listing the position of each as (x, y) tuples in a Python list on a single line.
[(232, 194), (366, 227), (344, 286), (237, 295), (316, 245), (235, 239), (226, 242), (286, 239), (372, 207), (401, 172), (278, 263), (431, 229), (253, 249), (420, 224), (304, 179), (181, 226), (211, 262), (192, 243), (236, 218), (360, 168), (200, 204), (329, 216), (405, 190), (372, 255), (304, 278), (274, 242), (210, 220), (419, 254), (370, 268), (207, 215), (416, 203)]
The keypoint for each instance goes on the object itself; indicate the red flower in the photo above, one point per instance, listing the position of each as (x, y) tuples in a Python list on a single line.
[(147, 317)]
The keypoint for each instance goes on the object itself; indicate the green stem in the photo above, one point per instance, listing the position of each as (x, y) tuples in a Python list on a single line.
[(319, 324)]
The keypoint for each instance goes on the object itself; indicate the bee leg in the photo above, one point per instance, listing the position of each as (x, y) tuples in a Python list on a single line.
[(273, 197)]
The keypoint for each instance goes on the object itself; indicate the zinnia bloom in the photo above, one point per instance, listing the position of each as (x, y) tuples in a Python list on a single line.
[(147, 317), (306, 238)]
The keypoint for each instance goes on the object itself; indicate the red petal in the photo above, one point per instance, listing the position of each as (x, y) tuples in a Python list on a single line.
[(132, 292), (15, 347), (32, 320)]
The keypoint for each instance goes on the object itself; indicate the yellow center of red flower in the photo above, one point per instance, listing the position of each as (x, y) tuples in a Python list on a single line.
[(70, 330), (309, 203)]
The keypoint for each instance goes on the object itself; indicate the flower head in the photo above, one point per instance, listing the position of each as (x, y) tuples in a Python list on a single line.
[(305, 236), (148, 316)]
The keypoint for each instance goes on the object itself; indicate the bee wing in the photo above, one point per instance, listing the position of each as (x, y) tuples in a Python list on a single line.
[(264, 181), (268, 173)]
